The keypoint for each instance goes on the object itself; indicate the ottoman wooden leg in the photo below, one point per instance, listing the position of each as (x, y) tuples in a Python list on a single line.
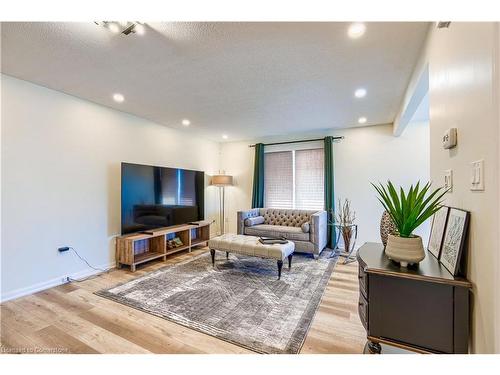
[(227, 254), (290, 261), (212, 253), (280, 265)]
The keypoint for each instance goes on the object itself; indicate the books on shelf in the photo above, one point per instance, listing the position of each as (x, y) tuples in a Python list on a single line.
[(174, 243)]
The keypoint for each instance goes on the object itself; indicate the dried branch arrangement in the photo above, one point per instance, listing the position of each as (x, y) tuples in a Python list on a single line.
[(345, 215), (345, 218)]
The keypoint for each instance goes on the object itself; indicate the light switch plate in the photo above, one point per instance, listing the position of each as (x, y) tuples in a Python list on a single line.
[(477, 175), (448, 180)]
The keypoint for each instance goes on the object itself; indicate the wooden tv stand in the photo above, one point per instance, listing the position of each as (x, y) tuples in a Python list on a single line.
[(136, 248)]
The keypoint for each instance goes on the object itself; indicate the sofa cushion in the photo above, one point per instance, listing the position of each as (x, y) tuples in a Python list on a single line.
[(305, 227), (285, 217), (251, 221), (290, 233)]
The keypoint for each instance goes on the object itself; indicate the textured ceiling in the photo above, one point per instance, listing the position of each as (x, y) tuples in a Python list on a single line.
[(245, 80)]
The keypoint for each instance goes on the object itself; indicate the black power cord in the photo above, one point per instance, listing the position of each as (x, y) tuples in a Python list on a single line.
[(90, 266)]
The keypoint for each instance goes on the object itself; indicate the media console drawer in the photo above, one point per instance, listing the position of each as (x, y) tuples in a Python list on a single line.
[(363, 282), (363, 310)]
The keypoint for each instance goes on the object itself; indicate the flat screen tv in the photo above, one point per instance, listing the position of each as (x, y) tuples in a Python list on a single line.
[(155, 197)]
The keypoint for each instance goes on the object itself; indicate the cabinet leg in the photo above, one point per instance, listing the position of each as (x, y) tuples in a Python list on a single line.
[(164, 258), (132, 268), (373, 347)]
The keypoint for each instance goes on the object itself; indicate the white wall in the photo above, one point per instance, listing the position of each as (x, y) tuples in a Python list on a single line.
[(1, 77), (367, 154), (61, 179), (463, 61), (497, 282)]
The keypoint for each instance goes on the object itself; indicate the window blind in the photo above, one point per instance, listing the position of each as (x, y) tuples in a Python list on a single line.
[(278, 180), (309, 179), (294, 179)]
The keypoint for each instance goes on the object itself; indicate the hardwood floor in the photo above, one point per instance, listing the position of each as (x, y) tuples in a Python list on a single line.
[(71, 319)]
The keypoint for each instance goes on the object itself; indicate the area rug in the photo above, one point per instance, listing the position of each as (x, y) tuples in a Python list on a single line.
[(240, 300)]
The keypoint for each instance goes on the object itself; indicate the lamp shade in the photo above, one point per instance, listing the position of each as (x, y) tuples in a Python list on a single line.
[(222, 180)]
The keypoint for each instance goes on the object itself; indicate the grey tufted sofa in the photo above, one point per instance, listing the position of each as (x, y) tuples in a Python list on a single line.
[(288, 223)]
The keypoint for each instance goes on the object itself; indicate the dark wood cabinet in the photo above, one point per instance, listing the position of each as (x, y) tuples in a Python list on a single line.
[(422, 308)]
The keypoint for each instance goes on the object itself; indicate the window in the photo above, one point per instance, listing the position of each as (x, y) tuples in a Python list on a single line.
[(309, 180), (278, 179), (294, 179)]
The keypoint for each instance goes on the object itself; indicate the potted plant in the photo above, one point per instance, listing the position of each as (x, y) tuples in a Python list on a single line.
[(408, 210)]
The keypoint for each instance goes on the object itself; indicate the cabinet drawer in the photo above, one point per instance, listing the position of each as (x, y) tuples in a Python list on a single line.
[(363, 281), (363, 311)]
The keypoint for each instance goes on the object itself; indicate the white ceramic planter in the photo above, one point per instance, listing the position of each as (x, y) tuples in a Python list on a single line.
[(405, 250)]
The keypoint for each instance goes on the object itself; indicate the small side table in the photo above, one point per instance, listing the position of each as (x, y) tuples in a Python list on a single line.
[(347, 252)]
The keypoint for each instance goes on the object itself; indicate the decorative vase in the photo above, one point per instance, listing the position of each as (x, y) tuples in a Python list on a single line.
[(405, 250), (346, 236), (387, 227)]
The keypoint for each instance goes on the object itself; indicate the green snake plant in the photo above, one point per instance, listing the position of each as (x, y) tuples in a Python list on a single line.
[(409, 209)]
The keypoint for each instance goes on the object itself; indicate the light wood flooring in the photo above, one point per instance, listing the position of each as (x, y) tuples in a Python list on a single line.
[(71, 319)]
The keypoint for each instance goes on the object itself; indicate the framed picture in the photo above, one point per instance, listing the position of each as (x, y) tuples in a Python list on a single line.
[(437, 231), (454, 239)]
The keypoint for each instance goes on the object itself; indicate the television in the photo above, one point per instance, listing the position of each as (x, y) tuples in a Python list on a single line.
[(154, 197)]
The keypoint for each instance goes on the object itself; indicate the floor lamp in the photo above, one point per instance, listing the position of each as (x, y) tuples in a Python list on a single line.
[(221, 181)]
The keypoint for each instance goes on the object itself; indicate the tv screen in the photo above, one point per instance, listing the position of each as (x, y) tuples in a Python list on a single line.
[(155, 197)]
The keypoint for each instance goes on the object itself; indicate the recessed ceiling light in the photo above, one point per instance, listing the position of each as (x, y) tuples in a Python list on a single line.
[(139, 29), (186, 122), (119, 98), (356, 30), (114, 28), (362, 120), (224, 136), (360, 93)]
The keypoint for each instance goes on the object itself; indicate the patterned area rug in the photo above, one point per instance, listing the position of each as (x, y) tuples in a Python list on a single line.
[(240, 300)]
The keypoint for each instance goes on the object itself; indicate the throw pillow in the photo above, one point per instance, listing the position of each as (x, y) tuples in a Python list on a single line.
[(305, 227), (251, 221)]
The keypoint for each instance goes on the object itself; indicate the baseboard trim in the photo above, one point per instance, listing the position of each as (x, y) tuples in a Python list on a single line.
[(21, 292)]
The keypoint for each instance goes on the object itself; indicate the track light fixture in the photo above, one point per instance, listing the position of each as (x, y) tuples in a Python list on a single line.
[(123, 27)]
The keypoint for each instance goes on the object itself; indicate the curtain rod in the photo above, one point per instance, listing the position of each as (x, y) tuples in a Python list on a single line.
[(299, 141)]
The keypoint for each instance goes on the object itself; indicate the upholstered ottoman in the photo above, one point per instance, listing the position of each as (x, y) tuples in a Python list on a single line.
[(250, 245)]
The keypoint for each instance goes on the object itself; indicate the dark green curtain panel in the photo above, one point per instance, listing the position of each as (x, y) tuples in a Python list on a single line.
[(258, 177), (329, 189)]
